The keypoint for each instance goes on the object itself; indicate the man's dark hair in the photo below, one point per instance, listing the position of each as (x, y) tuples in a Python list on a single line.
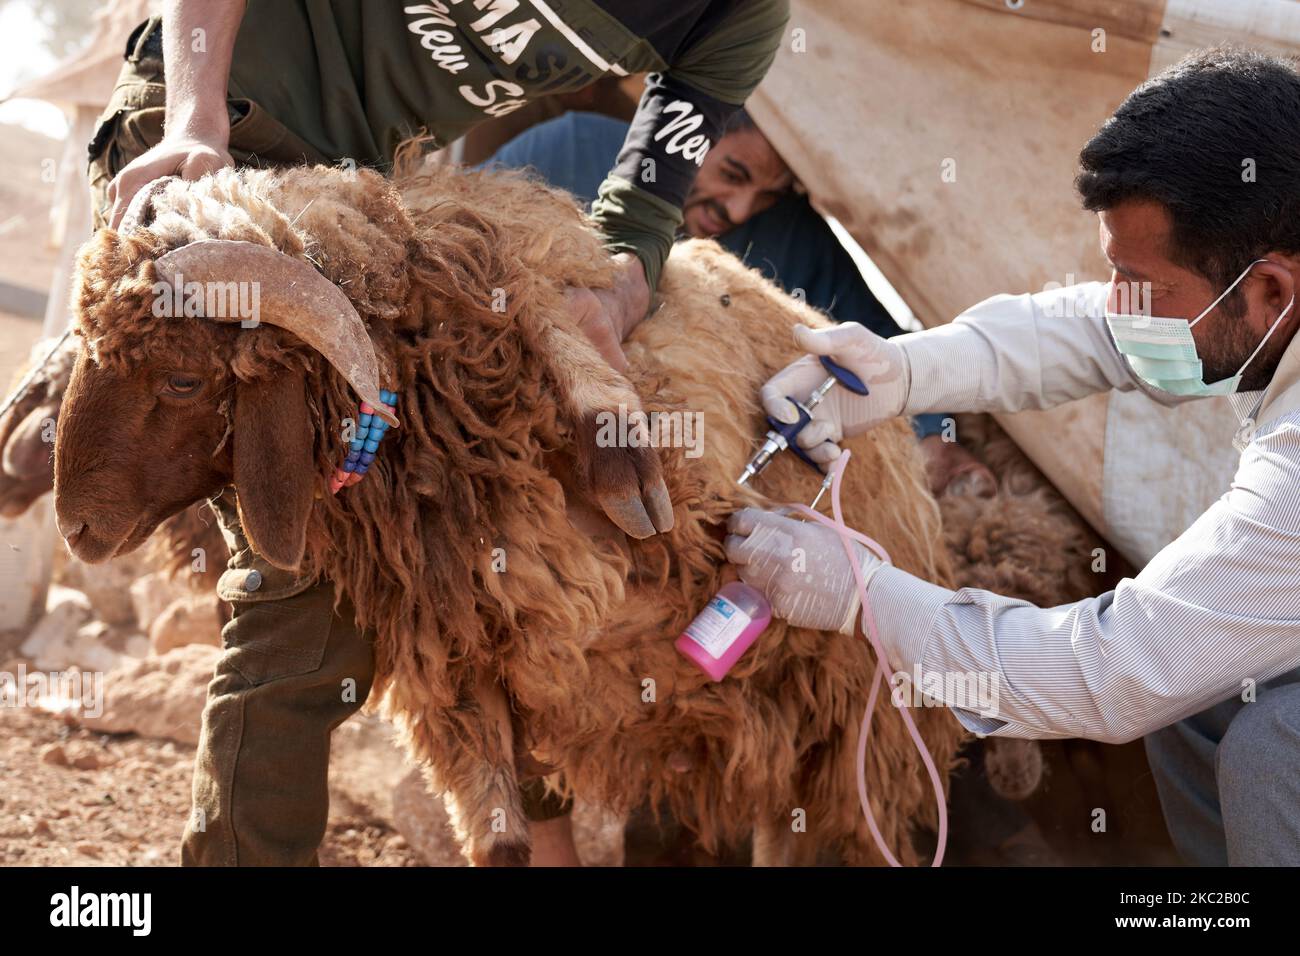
[(737, 121), (1183, 139)]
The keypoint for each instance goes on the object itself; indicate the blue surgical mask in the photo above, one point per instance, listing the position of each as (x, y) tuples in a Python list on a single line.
[(1162, 352)]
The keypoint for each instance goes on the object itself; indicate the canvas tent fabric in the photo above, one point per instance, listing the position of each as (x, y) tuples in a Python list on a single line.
[(944, 135), (80, 86)]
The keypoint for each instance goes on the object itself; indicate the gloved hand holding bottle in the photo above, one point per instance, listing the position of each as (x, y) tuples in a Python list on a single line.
[(801, 567)]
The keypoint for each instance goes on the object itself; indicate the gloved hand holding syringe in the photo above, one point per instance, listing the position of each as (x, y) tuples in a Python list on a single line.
[(739, 613), (781, 435)]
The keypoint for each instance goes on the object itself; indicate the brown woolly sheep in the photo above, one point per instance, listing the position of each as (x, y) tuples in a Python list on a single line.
[(26, 429), (452, 286), (1026, 541)]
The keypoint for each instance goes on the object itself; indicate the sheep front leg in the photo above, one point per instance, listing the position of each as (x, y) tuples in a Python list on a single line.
[(625, 478), (481, 785)]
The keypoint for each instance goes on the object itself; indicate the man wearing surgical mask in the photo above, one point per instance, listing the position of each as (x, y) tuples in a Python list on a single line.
[(1166, 654)]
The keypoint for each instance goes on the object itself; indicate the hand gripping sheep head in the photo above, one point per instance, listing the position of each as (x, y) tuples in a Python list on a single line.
[(157, 413)]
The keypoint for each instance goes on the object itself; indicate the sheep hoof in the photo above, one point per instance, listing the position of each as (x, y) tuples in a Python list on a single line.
[(1014, 768), (623, 474), (631, 491), (629, 512)]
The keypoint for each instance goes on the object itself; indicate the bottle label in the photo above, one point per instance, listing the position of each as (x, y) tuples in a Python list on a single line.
[(716, 627)]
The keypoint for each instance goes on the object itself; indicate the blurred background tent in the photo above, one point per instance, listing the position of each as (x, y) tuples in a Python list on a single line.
[(944, 135), (79, 86)]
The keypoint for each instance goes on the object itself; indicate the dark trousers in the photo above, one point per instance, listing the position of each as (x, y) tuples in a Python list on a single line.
[(292, 671)]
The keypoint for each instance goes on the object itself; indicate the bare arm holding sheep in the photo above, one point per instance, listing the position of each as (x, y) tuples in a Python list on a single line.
[(196, 138)]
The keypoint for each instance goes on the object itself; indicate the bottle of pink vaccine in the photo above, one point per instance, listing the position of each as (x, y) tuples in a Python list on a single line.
[(723, 631)]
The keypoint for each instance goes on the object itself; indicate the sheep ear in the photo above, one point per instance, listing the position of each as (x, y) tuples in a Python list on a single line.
[(26, 455), (274, 478)]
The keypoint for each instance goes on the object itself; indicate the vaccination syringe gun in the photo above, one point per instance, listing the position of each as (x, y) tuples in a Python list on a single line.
[(781, 435), (738, 612)]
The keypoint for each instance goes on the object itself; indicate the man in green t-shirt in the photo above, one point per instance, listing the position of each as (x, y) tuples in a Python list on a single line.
[(348, 85), (283, 82)]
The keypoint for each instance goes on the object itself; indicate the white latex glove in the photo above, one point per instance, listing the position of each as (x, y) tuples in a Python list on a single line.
[(875, 360), (801, 567)]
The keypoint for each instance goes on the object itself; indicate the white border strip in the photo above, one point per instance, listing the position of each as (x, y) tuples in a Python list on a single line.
[(576, 40)]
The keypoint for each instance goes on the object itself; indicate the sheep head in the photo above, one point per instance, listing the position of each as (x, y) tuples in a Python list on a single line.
[(145, 423), (136, 444)]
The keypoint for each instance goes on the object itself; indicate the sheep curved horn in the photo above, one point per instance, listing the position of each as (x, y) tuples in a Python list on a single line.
[(140, 212), (292, 296)]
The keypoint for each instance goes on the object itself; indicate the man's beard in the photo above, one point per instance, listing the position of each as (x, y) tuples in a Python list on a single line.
[(1224, 359), (715, 208)]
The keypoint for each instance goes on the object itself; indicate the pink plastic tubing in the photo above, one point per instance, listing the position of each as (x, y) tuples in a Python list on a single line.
[(847, 536)]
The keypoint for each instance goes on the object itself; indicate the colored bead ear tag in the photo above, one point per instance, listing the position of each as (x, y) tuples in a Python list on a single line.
[(361, 450)]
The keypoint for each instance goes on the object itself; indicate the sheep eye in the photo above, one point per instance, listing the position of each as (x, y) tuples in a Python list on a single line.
[(183, 385)]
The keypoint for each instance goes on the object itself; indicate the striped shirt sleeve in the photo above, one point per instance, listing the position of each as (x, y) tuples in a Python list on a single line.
[(1016, 352)]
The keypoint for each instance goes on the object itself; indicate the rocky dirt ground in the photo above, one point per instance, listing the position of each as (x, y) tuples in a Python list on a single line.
[(114, 789), (71, 797)]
